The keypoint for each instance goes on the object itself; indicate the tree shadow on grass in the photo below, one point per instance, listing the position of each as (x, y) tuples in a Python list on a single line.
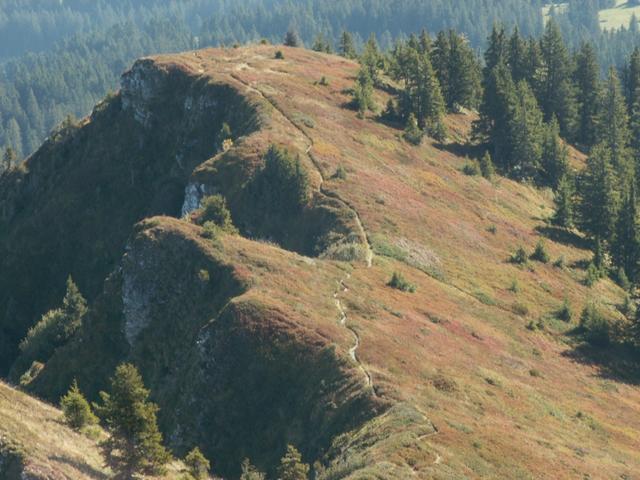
[(616, 361), (81, 466), (565, 237), (462, 149)]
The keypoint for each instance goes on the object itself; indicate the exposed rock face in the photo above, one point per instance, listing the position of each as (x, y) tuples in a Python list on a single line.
[(140, 86)]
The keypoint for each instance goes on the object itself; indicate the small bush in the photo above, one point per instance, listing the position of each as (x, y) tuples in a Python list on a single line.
[(535, 373), (560, 262), (471, 169), (595, 327), (565, 313), (444, 384), (540, 254), (33, 371), (514, 287), (412, 132), (622, 280), (492, 229), (197, 464), (324, 82), (214, 209), (279, 55), (400, 283), (519, 256), (593, 275), (76, 410), (486, 166)]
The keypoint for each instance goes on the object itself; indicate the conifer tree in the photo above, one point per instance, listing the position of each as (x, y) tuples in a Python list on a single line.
[(292, 38), (555, 161), (598, 195), (625, 247), (486, 166), (632, 78), (197, 464), (634, 129), (371, 59), (463, 83), (347, 47), (557, 96), (518, 56), (363, 92), (613, 121), (525, 134), (135, 444), (587, 78), (76, 410), (321, 44), (412, 132), (9, 158), (292, 467), (563, 214), (534, 66), (440, 59), (426, 45)]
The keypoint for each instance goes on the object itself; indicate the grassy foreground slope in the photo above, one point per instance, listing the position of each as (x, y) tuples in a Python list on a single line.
[(34, 443), (247, 345)]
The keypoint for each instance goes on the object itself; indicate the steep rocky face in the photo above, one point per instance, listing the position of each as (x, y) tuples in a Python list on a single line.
[(70, 208)]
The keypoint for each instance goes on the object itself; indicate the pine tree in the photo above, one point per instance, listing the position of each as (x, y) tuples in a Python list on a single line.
[(634, 129), (426, 45), (291, 466), (613, 123), (197, 464), (525, 134), (534, 66), (587, 77), (555, 162), (440, 55), (76, 410), (371, 59), (518, 56), (320, 44), (464, 74), (292, 39), (412, 132), (625, 247), (74, 307), (632, 78), (363, 92), (598, 195), (486, 166), (347, 46), (135, 443), (557, 96), (563, 214), (10, 158)]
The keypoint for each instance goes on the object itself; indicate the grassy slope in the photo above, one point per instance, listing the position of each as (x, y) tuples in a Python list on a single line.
[(618, 16), (49, 446), (456, 350)]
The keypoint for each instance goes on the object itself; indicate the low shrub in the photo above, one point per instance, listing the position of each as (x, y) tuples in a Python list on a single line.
[(565, 312), (595, 327), (519, 256), (520, 309), (76, 409), (471, 169), (400, 283), (540, 254), (279, 55)]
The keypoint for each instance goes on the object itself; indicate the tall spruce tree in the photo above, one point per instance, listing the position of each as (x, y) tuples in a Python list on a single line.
[(464, 74), (613, 124), (631, 78), (625, 247), (555, 155), (134, 444), (556, 96), (525, 134), (587, 79), (598, 195), (518, 56), (292, 467), (563, 213), (371, 58), (347, 46)]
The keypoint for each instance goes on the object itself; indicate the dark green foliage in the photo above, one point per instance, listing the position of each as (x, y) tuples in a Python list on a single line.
[(412, 132), (400, 283), (486, 166), (598, 194), (371, 59), (347, 47), (622, 280), (363, 92), (519, 257), (249, 472), (587, 78), (292, 38), (613, 125), (197, 464), (525, 129), (565, 313), (625, 246), (292, 467), (554, 160), (595, 327), (279, 55), (54, 329), (76, 410), (135, 443), (471, 168), (593, 275), (540, 253), (563, 214), (341, 173), (214, 209), (282, 184), (321, 44)]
